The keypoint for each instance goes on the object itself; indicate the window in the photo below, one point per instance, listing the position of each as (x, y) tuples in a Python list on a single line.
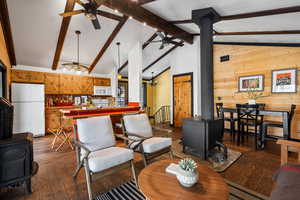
[(2, 80)]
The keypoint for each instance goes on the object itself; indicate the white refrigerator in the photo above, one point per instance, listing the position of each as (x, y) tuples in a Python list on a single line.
[(29, 108)]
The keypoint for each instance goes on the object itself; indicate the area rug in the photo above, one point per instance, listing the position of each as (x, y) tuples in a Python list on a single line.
[(128, 191), (232, 157)]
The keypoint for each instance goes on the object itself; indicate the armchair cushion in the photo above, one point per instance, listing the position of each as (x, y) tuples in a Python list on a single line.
[(138, 124), (154, 144), (106, 158), (96, 132), (287, 183)]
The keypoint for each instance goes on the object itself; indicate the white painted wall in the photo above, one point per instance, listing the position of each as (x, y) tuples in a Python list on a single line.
[(184, 60), (114, 82), (135, 66)]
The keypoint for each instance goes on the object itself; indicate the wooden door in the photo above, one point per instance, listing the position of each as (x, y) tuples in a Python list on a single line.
[(183, 86)]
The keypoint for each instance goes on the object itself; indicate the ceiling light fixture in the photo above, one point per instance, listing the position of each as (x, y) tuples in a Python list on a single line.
[(119, 62), (75, 67)]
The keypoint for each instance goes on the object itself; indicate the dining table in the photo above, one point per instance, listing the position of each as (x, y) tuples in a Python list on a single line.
[(278, 113)]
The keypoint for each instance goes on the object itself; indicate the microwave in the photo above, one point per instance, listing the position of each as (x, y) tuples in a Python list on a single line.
[(102, 90)]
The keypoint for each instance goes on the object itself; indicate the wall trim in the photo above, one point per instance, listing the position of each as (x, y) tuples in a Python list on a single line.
[(260, 44)]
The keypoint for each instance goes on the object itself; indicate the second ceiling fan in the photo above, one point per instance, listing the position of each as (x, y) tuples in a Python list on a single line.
[(166, 40), (90, 11)]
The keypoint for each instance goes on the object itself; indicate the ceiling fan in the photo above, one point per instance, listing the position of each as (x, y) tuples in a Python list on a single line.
[(166, 40), (90, 11)]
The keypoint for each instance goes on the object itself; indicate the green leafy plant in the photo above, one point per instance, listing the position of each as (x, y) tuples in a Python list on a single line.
[(253, 94), (188, 164)]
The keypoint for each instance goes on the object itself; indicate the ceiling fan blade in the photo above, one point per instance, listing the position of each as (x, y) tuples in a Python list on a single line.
[(79, 2), (68, 14), (176, 43), (162, 46), (96, 23), (160, 34)]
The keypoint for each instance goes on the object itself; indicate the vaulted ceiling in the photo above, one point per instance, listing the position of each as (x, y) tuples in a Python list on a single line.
[(36, 25)]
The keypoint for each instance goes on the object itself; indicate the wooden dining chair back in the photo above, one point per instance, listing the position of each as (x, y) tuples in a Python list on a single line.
[(97, 152), (138, 128), (231, 119), (248, 115)]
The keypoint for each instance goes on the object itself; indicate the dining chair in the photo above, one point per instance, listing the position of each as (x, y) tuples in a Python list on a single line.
[(248, 115), (137, 127), (232, 120), (98, 154), (269, 123)]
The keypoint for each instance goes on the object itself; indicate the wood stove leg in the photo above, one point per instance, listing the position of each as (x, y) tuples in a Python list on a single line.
[(28, 186)]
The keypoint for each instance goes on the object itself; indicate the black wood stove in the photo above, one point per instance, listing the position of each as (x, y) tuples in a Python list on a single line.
[(16, 154)]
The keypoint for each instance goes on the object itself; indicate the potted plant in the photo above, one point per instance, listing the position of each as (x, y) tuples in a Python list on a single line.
[(188, 174), (253, 95)]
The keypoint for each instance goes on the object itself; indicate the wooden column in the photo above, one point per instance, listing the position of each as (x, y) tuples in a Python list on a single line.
[(205, 18)]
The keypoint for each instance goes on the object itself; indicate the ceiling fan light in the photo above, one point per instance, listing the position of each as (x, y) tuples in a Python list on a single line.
[(90, 16)]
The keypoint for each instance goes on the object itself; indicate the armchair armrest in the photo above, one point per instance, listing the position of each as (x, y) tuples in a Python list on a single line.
[(139, 136), (80, 145), (123, 137), (167, 131)]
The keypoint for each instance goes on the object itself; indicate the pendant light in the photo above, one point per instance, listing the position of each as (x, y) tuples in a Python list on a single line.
[(119, 62), (75, 66)]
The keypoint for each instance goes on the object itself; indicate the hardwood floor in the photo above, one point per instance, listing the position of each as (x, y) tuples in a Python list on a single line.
[(253, 170)]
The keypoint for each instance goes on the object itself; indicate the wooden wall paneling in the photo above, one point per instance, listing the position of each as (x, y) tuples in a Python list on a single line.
[(252, 60), (23, 76), (52, 83)]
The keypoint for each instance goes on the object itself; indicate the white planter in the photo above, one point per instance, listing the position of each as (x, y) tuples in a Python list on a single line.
[(186, 178), (251, 101)]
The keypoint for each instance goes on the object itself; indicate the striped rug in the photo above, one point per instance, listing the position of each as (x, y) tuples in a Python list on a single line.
[(127, 191)]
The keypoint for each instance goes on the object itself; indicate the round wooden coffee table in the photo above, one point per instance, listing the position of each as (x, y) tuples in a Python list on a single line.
[(157, 184)]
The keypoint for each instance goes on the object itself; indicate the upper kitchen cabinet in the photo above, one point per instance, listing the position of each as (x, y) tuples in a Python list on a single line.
[(52, 83), (86, 85), (67, 84), (23, 76), (101, 81)]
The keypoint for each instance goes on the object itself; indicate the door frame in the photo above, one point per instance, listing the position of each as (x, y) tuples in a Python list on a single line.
[(192, 92), (3, 69)]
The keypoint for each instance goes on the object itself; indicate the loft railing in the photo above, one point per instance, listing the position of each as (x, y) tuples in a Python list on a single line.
[(162, 115)]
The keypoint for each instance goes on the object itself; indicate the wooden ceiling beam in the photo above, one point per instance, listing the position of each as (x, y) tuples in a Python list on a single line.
[(62, 34), (108, 42), (109, 15), (161, 57), (5, 22), (282, 32), (262, 13), (129, 8), (144, 46), (143, 2)]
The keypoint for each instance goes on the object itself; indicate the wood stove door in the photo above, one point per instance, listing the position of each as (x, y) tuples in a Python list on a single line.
[(182, 98)]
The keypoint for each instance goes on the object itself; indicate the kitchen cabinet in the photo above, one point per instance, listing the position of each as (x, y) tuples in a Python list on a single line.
[(52, 83), (86, 85), (24, 76), (101, 81), (52, 119), (69, 84)]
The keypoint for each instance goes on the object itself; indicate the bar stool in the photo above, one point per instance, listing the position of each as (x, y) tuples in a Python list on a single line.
[(63, 135)]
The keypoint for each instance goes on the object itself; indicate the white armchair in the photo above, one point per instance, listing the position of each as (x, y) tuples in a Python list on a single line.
[(96, 150), (137, 127)]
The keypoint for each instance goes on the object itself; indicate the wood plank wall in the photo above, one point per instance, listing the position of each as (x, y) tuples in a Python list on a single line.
[(253, 60)]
